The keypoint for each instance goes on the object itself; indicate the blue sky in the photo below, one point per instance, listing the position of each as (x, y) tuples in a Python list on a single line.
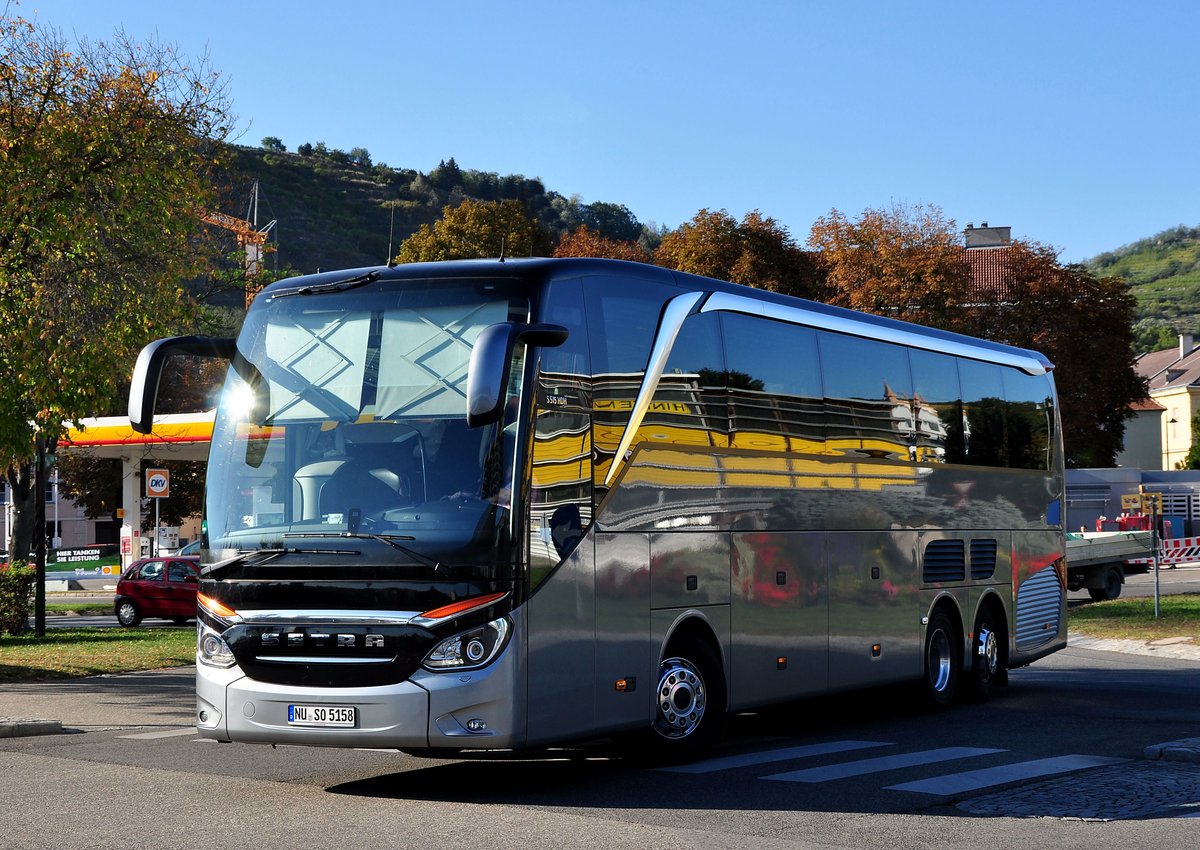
[(1075, 123)]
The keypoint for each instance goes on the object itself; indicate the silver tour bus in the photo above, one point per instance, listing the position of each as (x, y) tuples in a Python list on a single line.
[(487, 505)]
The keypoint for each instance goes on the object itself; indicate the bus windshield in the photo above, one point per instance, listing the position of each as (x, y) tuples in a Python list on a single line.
[(344, 415)]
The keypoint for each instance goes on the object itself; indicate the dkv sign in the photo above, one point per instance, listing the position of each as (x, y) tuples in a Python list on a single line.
[(158, 483)]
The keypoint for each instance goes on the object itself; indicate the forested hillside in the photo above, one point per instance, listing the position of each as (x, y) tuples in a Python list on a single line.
[(1164, 271), (336, 210)]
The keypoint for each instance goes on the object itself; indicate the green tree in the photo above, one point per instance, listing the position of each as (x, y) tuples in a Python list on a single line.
[(613, 221), (475, 229), (1084, 325), (107, 154), (273, 143), (447, 175), (758, 251), (1192, 459)]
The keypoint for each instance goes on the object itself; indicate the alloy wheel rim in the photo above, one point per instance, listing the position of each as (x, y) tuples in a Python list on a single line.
[(681, 699)]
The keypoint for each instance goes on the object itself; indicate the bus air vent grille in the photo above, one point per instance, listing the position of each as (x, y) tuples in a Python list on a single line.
[(983, 559), (944, 561), (1039, 609)]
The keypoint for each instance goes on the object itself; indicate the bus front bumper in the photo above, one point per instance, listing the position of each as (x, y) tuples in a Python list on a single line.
[(479, 709)]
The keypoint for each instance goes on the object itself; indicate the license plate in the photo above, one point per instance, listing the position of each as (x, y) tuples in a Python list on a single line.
[(321, 715)]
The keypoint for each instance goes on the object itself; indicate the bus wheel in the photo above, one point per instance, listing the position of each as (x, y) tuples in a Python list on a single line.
[(942, 660), (690, 701), (987, 658)]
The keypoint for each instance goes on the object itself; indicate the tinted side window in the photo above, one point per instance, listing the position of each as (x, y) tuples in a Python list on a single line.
[(622, 317), (560, 504), (868, 397), (1029, 418), (689, 405), (774, 384), (937, 402), (563, 305), (983, 404)]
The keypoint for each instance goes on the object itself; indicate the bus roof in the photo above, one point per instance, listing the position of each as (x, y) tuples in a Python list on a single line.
[(775, 305)]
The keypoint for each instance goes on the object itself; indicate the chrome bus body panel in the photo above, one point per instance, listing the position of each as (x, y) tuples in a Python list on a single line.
[(770, 619), (561, 617), (623, 581), (868, 570), (325, 617), (1027, 361)]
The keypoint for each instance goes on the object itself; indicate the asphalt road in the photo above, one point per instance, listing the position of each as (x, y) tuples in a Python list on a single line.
[(867, 770)]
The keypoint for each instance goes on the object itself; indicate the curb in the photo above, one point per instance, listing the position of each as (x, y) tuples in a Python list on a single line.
[(1180, 648), (22, 727), (1185, 749)]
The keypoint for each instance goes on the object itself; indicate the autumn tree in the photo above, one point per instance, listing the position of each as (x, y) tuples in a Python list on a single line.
[(477, 229), (758, 251), (903, 261), (585, 242), (1084, 325), (106, 159)]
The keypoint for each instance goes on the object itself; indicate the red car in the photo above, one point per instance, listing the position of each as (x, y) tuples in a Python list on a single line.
[(158, 587)]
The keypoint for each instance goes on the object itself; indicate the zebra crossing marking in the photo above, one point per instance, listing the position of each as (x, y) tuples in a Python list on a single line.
[(769, 756), (973, 780), (880, 764)]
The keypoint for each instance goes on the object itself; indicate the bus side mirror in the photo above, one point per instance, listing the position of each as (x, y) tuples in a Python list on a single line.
[(143, 391), (491, 356)]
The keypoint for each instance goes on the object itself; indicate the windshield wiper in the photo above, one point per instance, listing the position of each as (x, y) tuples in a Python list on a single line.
[(332, 286), (389, 539), (242, 558)]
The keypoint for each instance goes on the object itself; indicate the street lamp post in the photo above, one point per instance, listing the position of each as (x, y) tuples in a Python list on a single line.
[(1167, 442)]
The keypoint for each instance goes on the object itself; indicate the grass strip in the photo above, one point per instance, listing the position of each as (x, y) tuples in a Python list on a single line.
[(1133, 619), (69, 653)]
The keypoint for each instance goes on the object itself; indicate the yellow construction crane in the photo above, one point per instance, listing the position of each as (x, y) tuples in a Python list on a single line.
[(251, 238)]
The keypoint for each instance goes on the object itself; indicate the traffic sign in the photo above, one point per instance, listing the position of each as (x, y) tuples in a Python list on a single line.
[(1131, 502), (158, 483)]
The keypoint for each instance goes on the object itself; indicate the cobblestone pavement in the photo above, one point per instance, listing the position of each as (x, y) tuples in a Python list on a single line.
[(1130, 791)]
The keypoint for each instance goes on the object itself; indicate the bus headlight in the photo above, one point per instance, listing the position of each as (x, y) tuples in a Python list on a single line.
[(211, 648), (470, 649)]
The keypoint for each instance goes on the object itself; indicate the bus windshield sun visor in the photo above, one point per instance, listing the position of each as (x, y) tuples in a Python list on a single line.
[(677, 309)]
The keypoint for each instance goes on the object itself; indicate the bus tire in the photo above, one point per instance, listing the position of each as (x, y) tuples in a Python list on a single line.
[(943, 660), (987, 657), (689, 714)]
